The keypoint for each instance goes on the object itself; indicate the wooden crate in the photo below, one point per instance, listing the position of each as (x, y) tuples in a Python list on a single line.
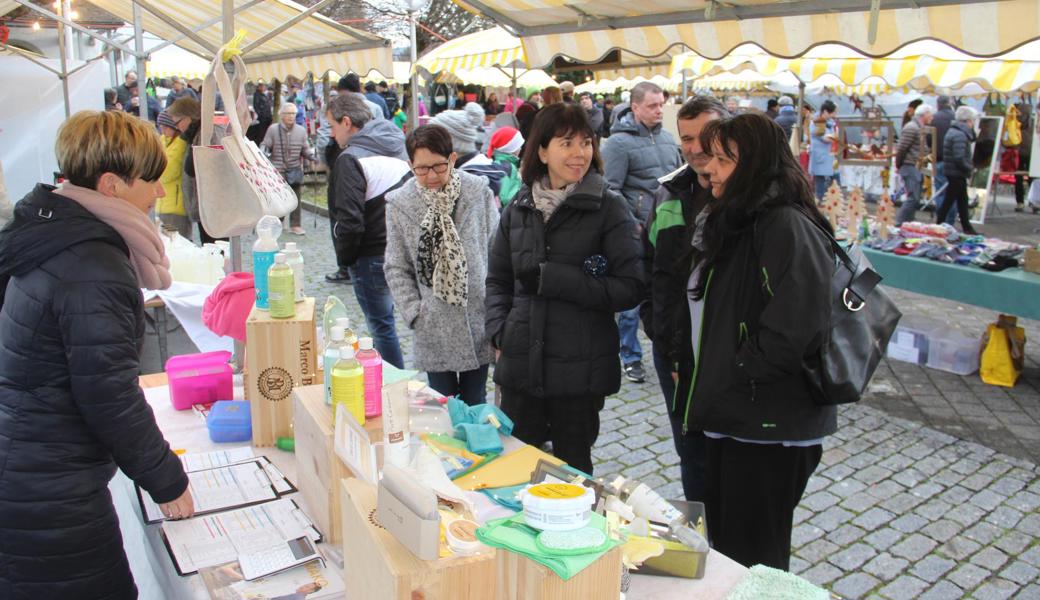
[(280, 356), (376, 565), (1031, 260), (318, 469), (520, 578)]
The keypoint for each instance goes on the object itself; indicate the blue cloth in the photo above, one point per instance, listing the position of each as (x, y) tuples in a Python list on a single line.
[(628, 330), (472, 425), (506, 496), (377, 304), (821, 161)]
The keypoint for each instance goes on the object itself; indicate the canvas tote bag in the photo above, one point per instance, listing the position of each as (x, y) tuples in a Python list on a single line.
[(237, 184)]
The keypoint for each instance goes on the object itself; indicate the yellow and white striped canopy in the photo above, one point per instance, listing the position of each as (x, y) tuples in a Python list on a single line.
[(482, 49), (314, 45), (493, 77), (173, 60), (608, 85), (918, 72), (587, 29), (747, 81)]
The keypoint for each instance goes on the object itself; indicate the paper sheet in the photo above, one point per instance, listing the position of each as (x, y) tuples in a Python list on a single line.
[(221, 488)]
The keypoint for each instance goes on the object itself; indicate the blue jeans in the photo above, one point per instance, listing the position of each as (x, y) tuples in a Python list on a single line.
[(469, 386), (912, 179), (821, 183), (377, 304), (939, 181), (689, 447), (628, 329)]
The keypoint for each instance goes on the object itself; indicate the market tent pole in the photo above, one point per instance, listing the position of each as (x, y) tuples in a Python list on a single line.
[(142, 94), (685, 87), (64, 75), (228, 32), (413, 108), (513, 88), (797, 146)]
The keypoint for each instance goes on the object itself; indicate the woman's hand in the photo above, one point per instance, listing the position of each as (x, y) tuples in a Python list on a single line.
[(181, 508)]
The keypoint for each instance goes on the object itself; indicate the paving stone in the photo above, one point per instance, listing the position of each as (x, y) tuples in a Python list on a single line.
[(855, 586), (832, 518), (905, 586), (644, 440), (846, 488), (801, 514), (642, 469), (885, 567), (906, 476), (944, 590), (1025, 501), (997, 589), (1013, 542), (852, 557), (968, 576), (932, 567), (798, 565), (909, 523), (984, 533), (873, 519), (1007, 486), (819, 501), (900, 503), (1030, 525), (934, 509), (1021, 572), (914, 547), (959, 548), (873, 474), (947, 478), (883, 538), (1031, 591), (845, 535), (860, 502), (1004, 517), (804, 534), (941, 530), (821, 574), (635, 457), (995, 468), (608, 451), (977, 482), (987, 500), (990, 558), (817, 551), (886, 489), (966, 514)]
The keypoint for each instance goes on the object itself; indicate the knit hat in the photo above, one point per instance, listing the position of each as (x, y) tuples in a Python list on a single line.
[(287, 108), (165, 120), (463, 133), (785, 101), (475, 112), (567, 87), (505, 139)]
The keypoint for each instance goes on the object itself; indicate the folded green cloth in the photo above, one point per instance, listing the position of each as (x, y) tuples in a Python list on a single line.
[(506, 496), (513, 534), (480, 439), (472, 425), (767, 583)]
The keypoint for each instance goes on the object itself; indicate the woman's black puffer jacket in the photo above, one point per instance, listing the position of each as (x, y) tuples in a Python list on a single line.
[(71, 411), (563, 340)]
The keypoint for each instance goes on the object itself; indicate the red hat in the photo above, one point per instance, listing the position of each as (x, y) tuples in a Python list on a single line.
[(506, 139)]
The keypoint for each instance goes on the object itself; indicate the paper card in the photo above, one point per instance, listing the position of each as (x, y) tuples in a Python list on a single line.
[(355, 448)]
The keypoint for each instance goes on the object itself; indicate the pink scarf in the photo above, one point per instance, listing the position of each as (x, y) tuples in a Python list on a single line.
[(147, 253)]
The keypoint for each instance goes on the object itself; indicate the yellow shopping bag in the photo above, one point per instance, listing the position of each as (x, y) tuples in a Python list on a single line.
[(1003, 354)]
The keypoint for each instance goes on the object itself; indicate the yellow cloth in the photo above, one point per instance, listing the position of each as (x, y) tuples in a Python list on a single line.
[(514, 468), (173, 202)]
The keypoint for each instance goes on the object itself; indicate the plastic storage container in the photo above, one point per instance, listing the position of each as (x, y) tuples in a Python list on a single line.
[(954, 352), (199, 378), (911, 340), (229, 421)]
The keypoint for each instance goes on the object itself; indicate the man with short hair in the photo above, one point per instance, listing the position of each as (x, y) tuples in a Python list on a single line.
[(264, 116), (375, 98), (942, 121), (373, 161), (679, 200), (787, 115), (821, 159), (134, 105), (594, 112), (392, 103), (911, 150), (772, 108), (178, 90), (635, 155), (123, 91), (352, 83)]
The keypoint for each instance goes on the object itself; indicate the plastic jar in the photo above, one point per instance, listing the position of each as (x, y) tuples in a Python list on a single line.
[(557, 506)]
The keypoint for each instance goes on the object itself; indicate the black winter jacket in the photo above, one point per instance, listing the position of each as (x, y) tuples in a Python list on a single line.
[(71, 410), (957, 150), (766, 309), (563, 340)]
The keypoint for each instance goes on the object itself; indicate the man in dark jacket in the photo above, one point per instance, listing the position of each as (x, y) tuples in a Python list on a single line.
[(957, 164), (375, 98), (71, 410), (357, 211), (787, 116), (635, 155), (666, 249), (594, 112), (262, 107), (941, 121)]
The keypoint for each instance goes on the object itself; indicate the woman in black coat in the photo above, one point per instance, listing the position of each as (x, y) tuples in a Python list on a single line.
[(71, 267), (565, 259)]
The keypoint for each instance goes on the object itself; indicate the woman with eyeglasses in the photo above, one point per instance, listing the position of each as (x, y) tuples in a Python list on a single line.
[(438, 228), (566, 257)]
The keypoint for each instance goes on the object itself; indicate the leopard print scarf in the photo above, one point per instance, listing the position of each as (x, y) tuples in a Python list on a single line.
[(441, 259)]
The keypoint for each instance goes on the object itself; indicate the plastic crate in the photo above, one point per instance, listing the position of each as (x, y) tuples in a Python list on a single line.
[(953, 352), (911, 340)]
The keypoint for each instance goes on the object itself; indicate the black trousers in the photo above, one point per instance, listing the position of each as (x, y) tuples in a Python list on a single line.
[(752, 491), (571, 423), (957, 193), (689, 447), (1022, 181), (469, 386)]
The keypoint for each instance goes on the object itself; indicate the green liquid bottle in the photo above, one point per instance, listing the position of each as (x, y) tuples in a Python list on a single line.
[(281, 289), (348, 385)]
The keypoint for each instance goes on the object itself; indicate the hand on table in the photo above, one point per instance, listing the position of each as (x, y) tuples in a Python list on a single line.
[(181, 508)]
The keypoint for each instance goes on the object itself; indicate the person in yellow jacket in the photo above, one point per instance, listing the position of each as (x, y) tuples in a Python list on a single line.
[(170, 208)]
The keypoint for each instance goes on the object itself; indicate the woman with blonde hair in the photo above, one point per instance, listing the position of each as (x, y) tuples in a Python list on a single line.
[(551, 95), (72, 265)]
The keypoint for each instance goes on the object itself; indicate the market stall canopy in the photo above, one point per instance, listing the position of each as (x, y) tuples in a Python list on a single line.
[(490, 48), (312, 44), (604, 86), (173, 60), (493, 77), (588, 30), (746, 81)]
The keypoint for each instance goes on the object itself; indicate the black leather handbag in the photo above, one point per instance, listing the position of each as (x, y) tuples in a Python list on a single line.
[(863, 319)]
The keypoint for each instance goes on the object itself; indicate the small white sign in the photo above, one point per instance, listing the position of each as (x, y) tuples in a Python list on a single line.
[(355, 448)]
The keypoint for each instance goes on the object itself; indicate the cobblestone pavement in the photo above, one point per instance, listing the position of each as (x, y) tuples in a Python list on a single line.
[(929, 489)]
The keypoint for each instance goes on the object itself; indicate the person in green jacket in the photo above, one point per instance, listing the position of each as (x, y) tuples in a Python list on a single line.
[(400, 118), (504, 148)]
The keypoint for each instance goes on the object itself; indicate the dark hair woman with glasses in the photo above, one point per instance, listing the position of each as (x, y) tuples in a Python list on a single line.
[(438, 227), (565, 259), (759, 307)]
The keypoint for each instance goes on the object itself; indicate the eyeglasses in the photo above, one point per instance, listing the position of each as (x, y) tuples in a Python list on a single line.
[(439, 168)]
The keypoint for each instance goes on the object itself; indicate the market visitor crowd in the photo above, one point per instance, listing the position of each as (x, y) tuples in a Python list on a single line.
[(538, 244)]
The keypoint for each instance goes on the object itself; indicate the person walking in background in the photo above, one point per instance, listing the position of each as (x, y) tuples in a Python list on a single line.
[(773, 108), (392, 104), (1027, 122), (759, 310), (438, 228), (594, 113), (912, 149), (72, 265), (371, 164), (262, 108), (464, 137), (564, 260), (170, 208), (957, 153), (376, 98), (637, 153), (504, 149), (286, 144), (942, 120), (821, 140), (123, 90), (491, 105), (666, 250), (187, 111), (787, 115), (179, 90), (351, 83)]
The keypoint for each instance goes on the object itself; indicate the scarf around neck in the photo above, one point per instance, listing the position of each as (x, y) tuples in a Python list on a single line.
[(441, 258), (147, 253), (546, 199)]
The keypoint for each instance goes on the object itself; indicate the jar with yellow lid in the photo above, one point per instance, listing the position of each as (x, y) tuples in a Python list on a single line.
[(557, 506)]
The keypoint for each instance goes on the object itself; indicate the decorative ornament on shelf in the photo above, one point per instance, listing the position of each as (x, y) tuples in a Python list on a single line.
[(834, 204), (855, 210), (885, 214)]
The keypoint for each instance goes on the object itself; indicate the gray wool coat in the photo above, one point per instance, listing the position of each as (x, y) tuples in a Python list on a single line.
[(447, 338)]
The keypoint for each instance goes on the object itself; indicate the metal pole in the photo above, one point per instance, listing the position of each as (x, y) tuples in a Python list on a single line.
[(801, 119), (685, 87), (513, 88), (142, 73), (228, 32), (62, 51), (413, 109), (113, 62), (70, 42)]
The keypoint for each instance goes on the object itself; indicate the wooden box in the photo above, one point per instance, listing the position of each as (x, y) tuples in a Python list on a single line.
[(377, 566), (520, 578), (1031, 260), (318, 468), (280, 356)]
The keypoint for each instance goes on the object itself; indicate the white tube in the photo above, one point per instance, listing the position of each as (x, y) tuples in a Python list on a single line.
[(395, 424)]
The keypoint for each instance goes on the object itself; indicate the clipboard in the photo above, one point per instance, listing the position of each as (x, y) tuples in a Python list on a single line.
[(151, 514)]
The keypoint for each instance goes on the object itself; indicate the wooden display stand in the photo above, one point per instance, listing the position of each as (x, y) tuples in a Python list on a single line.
[(520, 578), (318, 468), (376, 565), (280, 356)]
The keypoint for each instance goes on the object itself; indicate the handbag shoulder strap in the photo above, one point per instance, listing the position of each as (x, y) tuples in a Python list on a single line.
[(861, 283), (217, 80)]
